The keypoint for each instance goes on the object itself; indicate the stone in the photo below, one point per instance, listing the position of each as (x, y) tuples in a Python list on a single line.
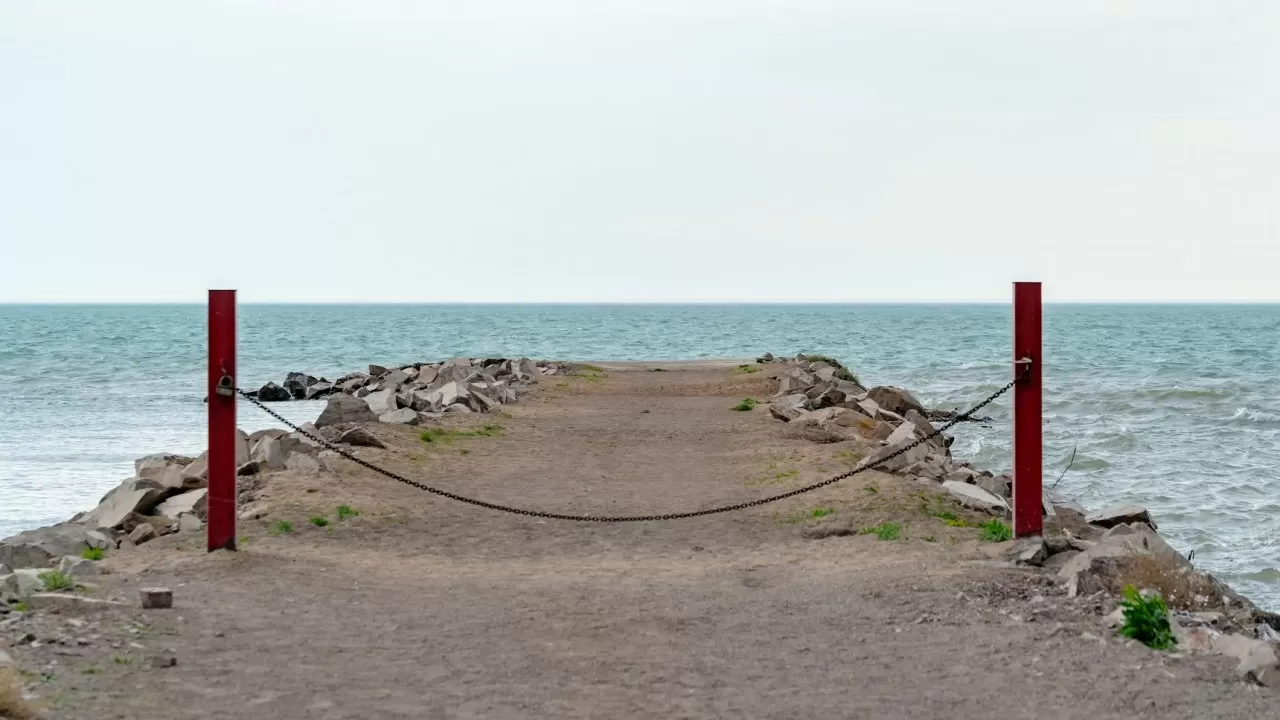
[(788, 407), (345, 409), (904, 433), (1117, 514), (167, 470), (38, 548), (529, 369), (78, 567), (193, 502), (257, 435), (66, 602), (360, 437), (1259, 661), (975, 497), (481, 402), (1029, 551), (457, 408), (197, 472), (403, 416), (95, 539), (1000, 486), (272, 392), (307, 464), (1054, 563), (896, 400), (5, 660), (22, 582), (923, 426), (249, 468), (133, 496), (155, 598), (394, 380), (821, 417), (426, 375), (318, 390), (887, 459), (268, 453), (962, 475), (143, 533), (352, 384), (189, 523), (382, 401)]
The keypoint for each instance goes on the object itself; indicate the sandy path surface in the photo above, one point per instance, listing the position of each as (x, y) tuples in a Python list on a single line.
[(424, 608)]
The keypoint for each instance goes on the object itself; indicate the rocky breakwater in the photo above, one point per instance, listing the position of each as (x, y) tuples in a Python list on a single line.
[(168, 492), (1092, 555), (414, 393)]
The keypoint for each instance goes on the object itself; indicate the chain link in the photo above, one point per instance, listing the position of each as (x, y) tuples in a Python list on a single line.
[(962, 417)]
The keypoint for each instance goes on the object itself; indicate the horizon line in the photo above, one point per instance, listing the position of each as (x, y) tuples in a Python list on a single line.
[(547, 303)]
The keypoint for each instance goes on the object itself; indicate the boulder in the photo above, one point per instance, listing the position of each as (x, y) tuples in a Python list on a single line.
[(272, 392), (189, 502), (480, 402), (975, 497), (360, 437), (352, 384), (22, 582), (376, 370), (449, 394), (257, 435), (296, 383), (788, 407), (1259, 661), (394, 380), (1029, 551), (167, 470), (77, 567), (896, 400), (133, 496), (886, 460), (529, 369), (426, 375), (307, 464), (144, 532), (40, 547), (820, 417), (268, 453), (923, 426), (382, 401), (344, 409), (869, 407), (189, 523), (403, 416), (904, 433), (318, 390), (458, 408), (1118, 514), (1000, 486)]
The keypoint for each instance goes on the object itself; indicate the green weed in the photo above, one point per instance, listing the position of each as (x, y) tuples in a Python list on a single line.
[(21, 606), (1146, 620), (871, 489), (928, 538), (591, 368), (852, 457), (123, 660), (319, 521), (92, 553), (445, 436), (346, 511), (842, 372), (745, 405), (786, 475), (995, 531), (748, 369), (802, 515), (280, 527), (57, 580), (883, 531)]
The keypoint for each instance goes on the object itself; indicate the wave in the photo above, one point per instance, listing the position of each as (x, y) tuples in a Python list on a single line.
[(1269, 575), (1256, 415)]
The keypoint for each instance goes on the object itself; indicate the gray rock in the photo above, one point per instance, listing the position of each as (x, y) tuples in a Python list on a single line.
[(352, 384), (480, 402), (95, 539), (318, 390), (171, 471), (403, 416), (458, 408), (1258, 660), (345, 409), (887, 461), (394, 380), (896, 400), (1054, 563), (869, 407), (155, 598), (145, 532), (1117, 514), (40, 547), (904, 433), (999, 486), (1029, 551), (962, 475), (975, 497), (133, 496), (529, 369), (272, 392), (193, 502), (66, 602), (257, 435), (376, 370), (307, 464), (382, 401), (922, 425), (426, 375), (788, 407), (78, 567), (361, 437), (189, 523), (268, 453)]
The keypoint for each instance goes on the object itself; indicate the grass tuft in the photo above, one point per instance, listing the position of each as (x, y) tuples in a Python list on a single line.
[(842, 372), (346, 511), (445, 436), (21, 606), (92, 553), (57, 580), (1146, 620), (319, 521), (748, 369), (280, 527), (883, 531), (995, 531), (745, 405)]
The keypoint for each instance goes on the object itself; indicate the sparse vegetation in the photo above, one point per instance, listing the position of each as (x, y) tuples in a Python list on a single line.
[(123, 660), (745, 405), (748, 369), (92, 553), (1146, 620), (21, 606), (280, 527), (852, 457), (883, 531), (319, 521), (1179, 586), (786, 475), (57, 580), (842, 372), (995, 531), (591, 368), (813, 514), (445, 436), (928, 538), (346, 511), (91, 670), (871, 490)]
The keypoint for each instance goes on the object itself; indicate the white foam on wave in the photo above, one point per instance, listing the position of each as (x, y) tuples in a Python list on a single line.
[(1257, 415)]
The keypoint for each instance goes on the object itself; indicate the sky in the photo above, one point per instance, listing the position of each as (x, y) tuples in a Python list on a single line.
[(659, 150)]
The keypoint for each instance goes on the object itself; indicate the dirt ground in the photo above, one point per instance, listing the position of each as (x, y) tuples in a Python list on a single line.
[(422, 607)]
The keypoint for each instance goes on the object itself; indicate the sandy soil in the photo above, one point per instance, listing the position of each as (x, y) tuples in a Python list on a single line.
[(422, 608)]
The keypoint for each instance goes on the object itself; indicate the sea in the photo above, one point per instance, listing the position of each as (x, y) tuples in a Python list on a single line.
[(1176, 407)]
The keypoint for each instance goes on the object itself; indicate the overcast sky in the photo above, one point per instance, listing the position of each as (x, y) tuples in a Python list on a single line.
[(509, 150)]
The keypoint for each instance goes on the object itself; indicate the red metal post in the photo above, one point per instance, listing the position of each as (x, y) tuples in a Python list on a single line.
[(222, 420), (1027, 421)]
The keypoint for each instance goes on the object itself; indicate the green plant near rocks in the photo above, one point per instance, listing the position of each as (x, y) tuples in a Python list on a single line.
[(280, 527), (92, 553), (745, 405), (319, 521), (21, 606), (748, 369), (346, 511), (57, 580), (995, 531), (1146, 620), (871, 490), (883, 531), (445, 436)]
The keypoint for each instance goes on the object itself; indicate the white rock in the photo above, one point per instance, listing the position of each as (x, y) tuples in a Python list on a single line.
[(403, 416), (975, 497), (268, 453), (188, 523), (904, 433), (78, 567), (189, 502), (382, 401)]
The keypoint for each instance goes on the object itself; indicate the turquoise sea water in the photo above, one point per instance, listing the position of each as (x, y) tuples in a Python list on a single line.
[(1176, 407)]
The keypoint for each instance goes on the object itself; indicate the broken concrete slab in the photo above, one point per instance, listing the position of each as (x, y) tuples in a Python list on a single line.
[(344, 409), (1118, 514), (360, 437), (975, 497)]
